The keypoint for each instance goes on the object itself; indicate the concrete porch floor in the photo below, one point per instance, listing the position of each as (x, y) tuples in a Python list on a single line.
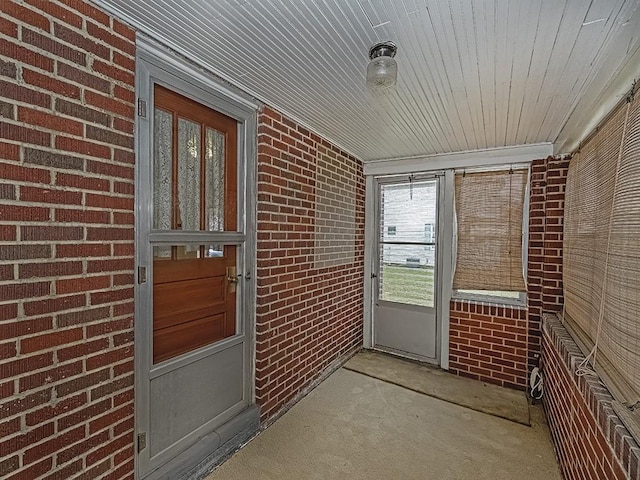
[(356, 427)]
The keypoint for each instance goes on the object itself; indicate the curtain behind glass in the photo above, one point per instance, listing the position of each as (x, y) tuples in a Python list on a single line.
[(214, 183), (188, 175)]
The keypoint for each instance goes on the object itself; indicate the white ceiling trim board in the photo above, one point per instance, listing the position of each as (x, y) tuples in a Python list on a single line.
[(469, 159)]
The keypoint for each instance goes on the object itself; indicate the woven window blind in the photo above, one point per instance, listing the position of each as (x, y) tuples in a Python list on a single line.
[(489, 210), (601, 266)]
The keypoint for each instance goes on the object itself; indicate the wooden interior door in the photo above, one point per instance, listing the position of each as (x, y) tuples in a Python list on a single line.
[(195, 189)]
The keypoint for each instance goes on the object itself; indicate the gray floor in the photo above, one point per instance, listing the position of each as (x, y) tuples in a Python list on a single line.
[(357, 427), (435, 382)]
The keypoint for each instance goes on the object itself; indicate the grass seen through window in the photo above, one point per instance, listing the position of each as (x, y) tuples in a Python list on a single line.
[(409, 285)]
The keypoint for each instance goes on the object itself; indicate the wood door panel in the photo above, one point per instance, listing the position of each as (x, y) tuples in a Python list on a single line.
[(182, 338), (188, 300), (165, 271), (187, 294)]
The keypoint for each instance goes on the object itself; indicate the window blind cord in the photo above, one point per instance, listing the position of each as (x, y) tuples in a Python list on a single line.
[(584, 368)]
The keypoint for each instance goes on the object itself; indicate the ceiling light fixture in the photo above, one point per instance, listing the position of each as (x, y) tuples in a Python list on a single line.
[(382, 71)]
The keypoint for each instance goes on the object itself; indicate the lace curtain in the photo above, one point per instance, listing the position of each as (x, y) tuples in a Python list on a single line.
[(162, 144), (162, 139), (189, 175), (214, 158)]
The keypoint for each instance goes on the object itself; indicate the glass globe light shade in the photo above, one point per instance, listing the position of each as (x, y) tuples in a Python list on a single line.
[(382, 72)]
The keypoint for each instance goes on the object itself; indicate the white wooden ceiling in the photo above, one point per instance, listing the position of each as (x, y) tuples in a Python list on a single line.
[(472, 74)]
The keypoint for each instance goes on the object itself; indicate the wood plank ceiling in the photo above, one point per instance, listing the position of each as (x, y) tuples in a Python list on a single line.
[(472, 74)]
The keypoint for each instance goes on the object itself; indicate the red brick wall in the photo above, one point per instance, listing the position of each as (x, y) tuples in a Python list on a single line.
[(308, 314), (488, 343), (66, 241), (544, 269), (591, 442)]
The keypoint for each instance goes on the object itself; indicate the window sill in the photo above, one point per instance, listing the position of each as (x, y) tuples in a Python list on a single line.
[(490, 300)]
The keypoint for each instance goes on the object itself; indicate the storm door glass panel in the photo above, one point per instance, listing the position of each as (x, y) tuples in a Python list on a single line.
[(407, 248), (214, 180), (194, 175), (194, 303), (188, 175)]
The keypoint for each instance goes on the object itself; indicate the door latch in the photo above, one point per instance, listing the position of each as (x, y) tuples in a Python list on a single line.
[(232, 279)]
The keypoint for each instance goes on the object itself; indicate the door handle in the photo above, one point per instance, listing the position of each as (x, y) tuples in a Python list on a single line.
[(232, 278)]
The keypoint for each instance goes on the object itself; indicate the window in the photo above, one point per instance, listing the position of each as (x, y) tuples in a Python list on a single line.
[(601, 264), (429, 233), (490, 212), (406, 264)]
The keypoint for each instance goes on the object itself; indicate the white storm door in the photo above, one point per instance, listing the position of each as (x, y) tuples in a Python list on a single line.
[(405, 283)]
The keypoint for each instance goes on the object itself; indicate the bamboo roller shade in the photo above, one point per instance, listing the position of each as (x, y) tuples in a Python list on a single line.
[(602, 250), (489, 210)]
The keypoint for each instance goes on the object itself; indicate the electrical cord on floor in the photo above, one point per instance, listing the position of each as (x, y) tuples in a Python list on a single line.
[(536, 388)]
